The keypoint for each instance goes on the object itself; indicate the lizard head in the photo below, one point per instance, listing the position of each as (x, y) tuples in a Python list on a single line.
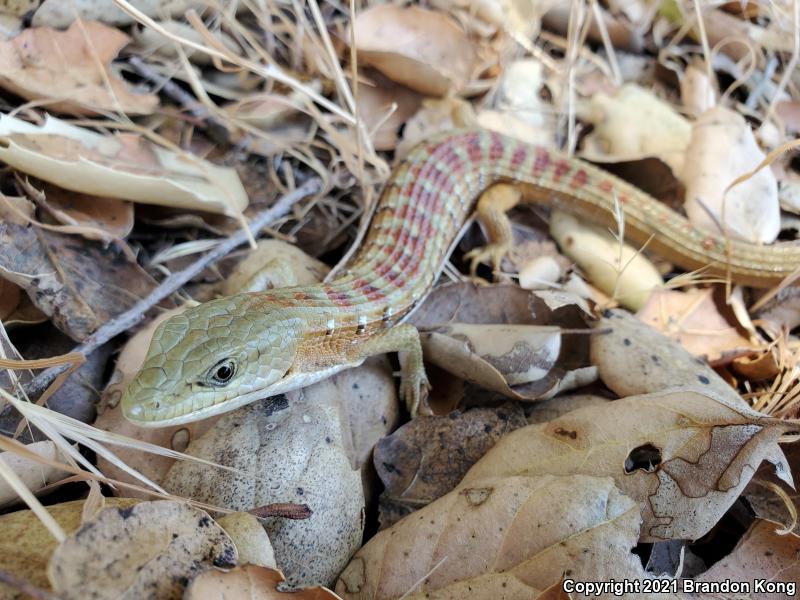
[(210, 359)]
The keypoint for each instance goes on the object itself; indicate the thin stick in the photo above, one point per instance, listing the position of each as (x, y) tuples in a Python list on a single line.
[(174, 282)]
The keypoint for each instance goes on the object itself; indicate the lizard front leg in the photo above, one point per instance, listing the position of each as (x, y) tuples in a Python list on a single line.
[(414, 384)]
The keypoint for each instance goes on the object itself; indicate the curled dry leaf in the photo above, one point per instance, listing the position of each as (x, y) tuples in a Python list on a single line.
[(72, 68), (692, 319), (123, 165), (500, 538), (635, 124), (150, 550), (427, 457), (513, 360), (252, 582), (683, 455), (422, 49), (69, 279), (616, 268), (286, 452), (33, 474), (26, 544), (633, 358), (10, 296), (723, 148)]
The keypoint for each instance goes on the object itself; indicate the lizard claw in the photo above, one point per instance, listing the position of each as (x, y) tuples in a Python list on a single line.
[(494, 252), (414, 388)]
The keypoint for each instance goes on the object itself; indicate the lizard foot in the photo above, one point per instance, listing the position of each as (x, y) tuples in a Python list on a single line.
[(494, 252), (414, 388)]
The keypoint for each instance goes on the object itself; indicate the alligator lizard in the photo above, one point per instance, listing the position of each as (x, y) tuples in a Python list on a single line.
[(228, 352)]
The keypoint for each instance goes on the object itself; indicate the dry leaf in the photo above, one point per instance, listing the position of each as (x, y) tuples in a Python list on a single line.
[(150, 550), (616, 268), (10, 296), (519, 110), (692, 319), (500, 538), (766, 560), (633, 358), (385, 107), (26, 544), (252, 542), (251, 582), (516, 361), (70, 279), (723, 148), (422, 49), (541, 272), (73, 68), (288, 452), (683, 455), (124, 166), (635, 124), (273, 264), (426, 458), (149, 41), (108, 215)]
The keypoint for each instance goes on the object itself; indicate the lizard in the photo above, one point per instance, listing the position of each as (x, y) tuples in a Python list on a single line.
[(223, 354)]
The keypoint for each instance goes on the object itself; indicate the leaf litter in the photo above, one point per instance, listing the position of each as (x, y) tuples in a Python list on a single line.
[(571, 439)]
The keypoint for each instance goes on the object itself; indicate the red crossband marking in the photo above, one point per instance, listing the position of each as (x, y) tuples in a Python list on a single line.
[(579, 179), (562, 168), (542, 162), (605, 186), (497, 149), (519, 156)]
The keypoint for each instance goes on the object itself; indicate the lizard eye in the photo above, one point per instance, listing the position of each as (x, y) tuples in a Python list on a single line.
[(222, 372)]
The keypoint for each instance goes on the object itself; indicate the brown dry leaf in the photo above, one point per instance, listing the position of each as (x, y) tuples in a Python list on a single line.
[(288, 452), (123, 166), (501, 538), (73, 68), (427, 457), (683, 455), (384, 108), (70, 279), (10, 296), (761, 556), (109, 215), (693, 319), (633, 358), (149, 550), (16, 209), (252, 582), (26, 544), (423, 49)]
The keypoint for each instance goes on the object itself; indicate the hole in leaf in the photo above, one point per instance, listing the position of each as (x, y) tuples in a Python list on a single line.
[(645, 457)]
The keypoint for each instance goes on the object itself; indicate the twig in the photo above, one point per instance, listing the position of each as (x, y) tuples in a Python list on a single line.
[(195, 108), (174, 282)]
